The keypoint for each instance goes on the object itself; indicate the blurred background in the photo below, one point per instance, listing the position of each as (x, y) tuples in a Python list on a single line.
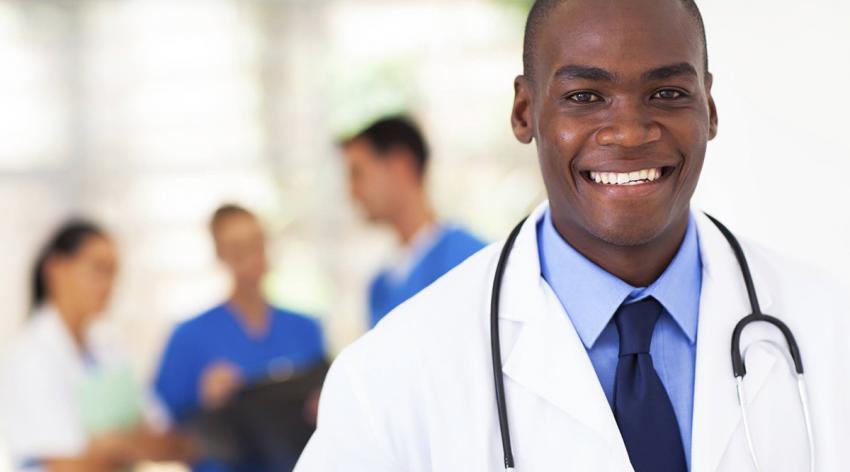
[(148, 114)]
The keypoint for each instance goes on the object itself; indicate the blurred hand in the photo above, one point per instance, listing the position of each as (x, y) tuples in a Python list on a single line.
[(219, 382), (311, 408), (118, 450), (111, 448)]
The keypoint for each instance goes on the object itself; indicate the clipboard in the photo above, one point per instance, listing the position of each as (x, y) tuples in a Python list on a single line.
[(266, 425)]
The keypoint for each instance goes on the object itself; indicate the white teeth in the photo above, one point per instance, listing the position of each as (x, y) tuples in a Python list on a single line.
[(626, 178)]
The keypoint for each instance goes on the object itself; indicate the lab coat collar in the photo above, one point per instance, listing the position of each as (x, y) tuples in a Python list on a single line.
[(49, 323), (100, 349), (549, 358), (522, 274)]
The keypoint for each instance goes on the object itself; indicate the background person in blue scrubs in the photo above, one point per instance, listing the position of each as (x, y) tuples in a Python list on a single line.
[(387, 164), (209, 357)]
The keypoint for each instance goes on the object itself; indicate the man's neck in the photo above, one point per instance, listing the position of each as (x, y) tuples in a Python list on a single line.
[(413, 218), (251, 308), (638, 266)]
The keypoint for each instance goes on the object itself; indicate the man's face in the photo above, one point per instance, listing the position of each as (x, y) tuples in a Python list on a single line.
[(241, 246), (372, 179), (620, 107)]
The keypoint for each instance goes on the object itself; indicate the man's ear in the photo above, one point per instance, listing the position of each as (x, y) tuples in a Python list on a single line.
[(712, 108), (401, 163), (521, 113)]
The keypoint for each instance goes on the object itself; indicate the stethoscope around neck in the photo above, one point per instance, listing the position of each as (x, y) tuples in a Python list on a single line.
[(738, 367)]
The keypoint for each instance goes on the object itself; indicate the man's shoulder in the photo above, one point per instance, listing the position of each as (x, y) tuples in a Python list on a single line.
[(785, 267), (200, 325), (794, 284), (459, 237), (451, 307), (294, 319), (456, 291), (785, 277)]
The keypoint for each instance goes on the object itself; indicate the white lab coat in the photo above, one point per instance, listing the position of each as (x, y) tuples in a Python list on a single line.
[(416, 393), (41, 374)]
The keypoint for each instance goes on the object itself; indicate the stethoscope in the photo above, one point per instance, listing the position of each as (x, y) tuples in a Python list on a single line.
[(738, 367)]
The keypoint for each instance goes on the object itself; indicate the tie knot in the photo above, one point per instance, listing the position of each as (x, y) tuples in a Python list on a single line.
[(635, 322)]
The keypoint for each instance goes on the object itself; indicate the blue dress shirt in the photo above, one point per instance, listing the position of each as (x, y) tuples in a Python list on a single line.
[(590, 296)]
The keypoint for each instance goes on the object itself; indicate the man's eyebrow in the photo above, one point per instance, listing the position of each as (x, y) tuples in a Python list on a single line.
[(665, 72), (571, 72)]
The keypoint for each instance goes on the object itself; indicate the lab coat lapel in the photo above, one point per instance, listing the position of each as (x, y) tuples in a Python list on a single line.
[(548, 357), (723, 303)]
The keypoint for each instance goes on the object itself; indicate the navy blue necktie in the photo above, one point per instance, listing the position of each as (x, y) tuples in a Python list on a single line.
[(641, 405)]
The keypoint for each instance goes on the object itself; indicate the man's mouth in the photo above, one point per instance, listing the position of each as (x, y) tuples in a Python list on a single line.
[(635, 177)]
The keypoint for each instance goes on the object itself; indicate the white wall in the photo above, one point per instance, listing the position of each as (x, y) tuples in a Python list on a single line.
[(778, 170)]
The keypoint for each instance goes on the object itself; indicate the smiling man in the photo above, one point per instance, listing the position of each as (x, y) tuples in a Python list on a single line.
[(597, 338)]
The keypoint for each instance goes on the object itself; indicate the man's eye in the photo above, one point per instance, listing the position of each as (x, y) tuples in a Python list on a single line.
[(583, 97), (668, 94)]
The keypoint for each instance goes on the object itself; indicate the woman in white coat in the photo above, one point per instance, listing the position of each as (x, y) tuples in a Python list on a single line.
[(68, 401), (617, 97)]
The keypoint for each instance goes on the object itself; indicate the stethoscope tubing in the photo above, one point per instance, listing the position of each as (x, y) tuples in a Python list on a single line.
[(496, 348)]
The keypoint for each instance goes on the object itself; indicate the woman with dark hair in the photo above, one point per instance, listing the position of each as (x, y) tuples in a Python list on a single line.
[(68, 401), (83, 259)]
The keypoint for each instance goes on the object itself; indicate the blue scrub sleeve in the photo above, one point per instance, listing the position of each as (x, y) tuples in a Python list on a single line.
[(177, 378)]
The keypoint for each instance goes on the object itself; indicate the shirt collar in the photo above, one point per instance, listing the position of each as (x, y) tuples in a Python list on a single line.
[(679, 286), (409, 255), (591, 295)]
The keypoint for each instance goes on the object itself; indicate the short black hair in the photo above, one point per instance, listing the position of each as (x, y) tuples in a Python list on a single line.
[(395, 131), (541, 9), (226, 211)]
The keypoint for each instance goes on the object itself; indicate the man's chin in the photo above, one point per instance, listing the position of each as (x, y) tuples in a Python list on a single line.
[(628, 229), (375, 218)]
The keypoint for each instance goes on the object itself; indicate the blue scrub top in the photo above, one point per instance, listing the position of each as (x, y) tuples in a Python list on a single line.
[(453, 246), (293, 340)]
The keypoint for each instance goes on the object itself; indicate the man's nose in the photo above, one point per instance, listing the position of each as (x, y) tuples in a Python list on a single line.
[(629, 125)]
